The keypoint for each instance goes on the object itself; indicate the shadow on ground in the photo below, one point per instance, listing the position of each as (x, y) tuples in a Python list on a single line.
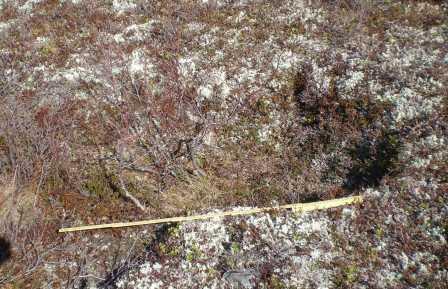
[(5, 250)]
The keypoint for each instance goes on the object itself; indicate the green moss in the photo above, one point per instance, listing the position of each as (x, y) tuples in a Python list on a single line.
[(194, 254), (84, 34), (373, 254), (315, 266), (242, 191), (100, 185), (263, 105), (424, 205), (235, 248), (97, 186), (174, 252), (166, 55), (276, 283), (2, 141), (351, 273), (231, 262), (56, 181), (48, 49), (347, 277), (379, 233), (169, 250), (254, 135), (297, 236), (296, 28), (163, 248), (201, 160), (211, 272), (174, 231)]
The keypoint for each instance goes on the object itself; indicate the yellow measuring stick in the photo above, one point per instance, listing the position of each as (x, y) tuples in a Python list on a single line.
[(298, 207)]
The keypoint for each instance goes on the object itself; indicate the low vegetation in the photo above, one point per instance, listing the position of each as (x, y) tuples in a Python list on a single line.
[(128, 110)]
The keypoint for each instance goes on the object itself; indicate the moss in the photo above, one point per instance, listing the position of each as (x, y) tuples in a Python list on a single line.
[(40, 29), (263, 106), (48, 49), (168, 250), (100, 185), (297, 236), (347, 277), (253, 134), (194, 254), (373, 254), (235, 248), (2, 141), (212, 273), (351, 273), (97, 186), (54, 182), (379, 233), (296, 28), (163, 248), (275, 282), (242, 191), (201, 160), (424, 206), (231, 262), (266, 191), (174, 252), (174, 231)]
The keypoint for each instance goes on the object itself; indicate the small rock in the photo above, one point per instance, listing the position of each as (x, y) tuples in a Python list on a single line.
[(241, 279)]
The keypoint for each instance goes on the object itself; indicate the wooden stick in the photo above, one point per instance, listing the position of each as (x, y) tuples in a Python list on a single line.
[(298, 207)]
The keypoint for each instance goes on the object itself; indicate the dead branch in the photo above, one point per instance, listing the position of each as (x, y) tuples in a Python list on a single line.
[(129, 196)]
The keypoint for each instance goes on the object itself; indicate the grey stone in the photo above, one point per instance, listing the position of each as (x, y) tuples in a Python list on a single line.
[(241, 279)]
